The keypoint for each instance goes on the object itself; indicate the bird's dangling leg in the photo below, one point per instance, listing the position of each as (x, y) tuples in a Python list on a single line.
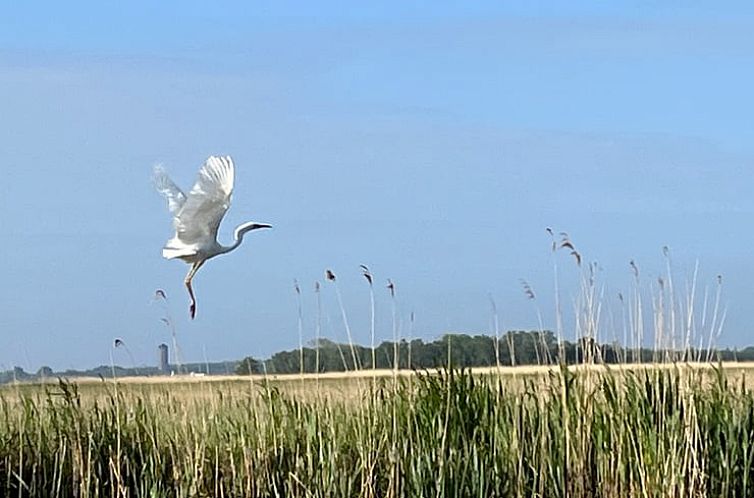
[(187, 281)]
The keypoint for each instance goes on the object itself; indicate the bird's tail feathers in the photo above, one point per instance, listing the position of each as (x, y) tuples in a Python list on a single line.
[(176, 252)]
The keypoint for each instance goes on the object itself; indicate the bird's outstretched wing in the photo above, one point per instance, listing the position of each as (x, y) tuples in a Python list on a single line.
[(199, 217), (164, 185)]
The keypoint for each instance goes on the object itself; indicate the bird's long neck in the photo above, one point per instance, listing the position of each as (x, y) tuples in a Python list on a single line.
[(239, 232)]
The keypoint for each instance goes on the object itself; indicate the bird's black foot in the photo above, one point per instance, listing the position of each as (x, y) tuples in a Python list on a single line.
[(192, 310)]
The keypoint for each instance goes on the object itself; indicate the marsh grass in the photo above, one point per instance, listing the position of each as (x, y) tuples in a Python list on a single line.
[(677, 427), (674, 431)]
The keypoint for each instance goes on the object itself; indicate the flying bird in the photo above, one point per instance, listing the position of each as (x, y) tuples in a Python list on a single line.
[(197, 216)]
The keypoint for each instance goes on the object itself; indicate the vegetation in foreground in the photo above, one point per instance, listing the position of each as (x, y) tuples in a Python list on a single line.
[(671, 430), (657, 432)]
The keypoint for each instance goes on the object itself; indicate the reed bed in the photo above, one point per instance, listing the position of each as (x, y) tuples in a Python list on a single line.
[(652, 433), (681, 426)]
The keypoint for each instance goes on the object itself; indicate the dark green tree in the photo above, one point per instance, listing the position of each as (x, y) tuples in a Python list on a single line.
[(249, 366)]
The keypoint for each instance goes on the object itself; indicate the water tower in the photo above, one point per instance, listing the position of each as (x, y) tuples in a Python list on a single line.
[(164, 360)]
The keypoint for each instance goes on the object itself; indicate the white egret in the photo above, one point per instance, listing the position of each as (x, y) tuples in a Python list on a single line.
[(197, 216)]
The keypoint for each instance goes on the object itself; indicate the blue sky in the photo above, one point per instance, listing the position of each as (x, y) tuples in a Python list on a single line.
[(433, 142)]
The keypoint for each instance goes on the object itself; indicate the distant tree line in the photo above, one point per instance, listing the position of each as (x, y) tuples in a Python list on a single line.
[(458, 350), (461, 350), (107, 371)]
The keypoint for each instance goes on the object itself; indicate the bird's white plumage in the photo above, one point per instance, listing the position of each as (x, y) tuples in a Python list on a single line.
[(170, 190), (197, 217)]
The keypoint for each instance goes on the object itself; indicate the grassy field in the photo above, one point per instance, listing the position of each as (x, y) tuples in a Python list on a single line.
[(669, 430)]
